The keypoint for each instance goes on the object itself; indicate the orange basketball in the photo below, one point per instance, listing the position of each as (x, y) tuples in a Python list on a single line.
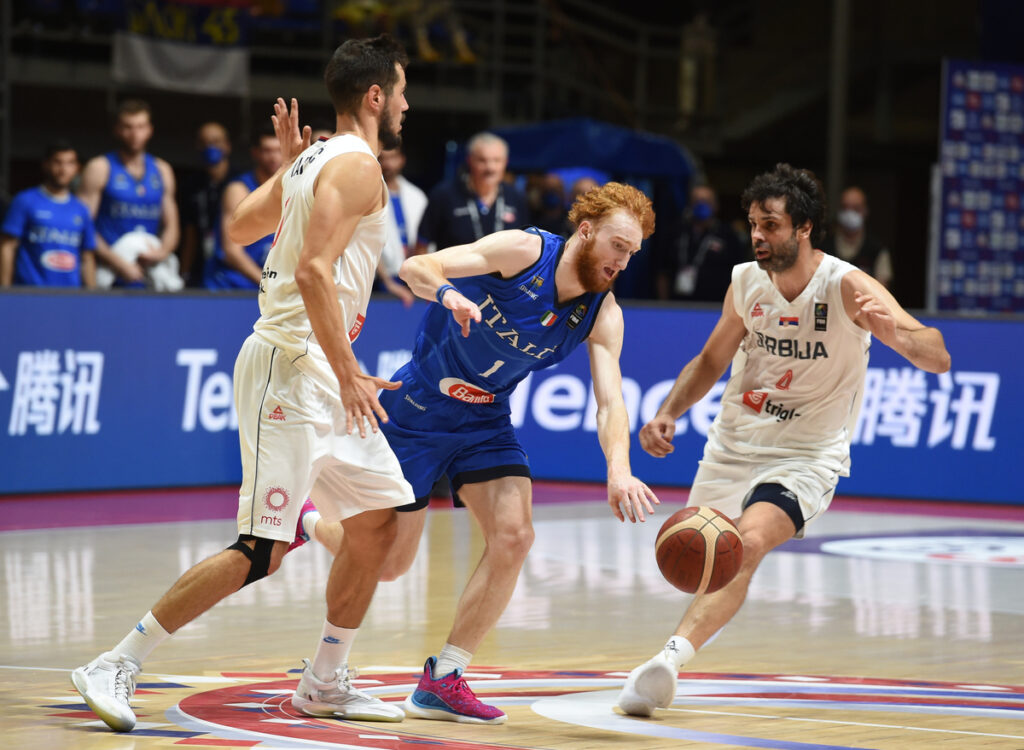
[(699, 550)]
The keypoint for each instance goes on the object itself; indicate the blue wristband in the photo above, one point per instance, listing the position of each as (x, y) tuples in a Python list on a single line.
[(440, 293)]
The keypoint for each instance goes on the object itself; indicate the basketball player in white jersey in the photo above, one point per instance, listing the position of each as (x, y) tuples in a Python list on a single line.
[(307, 415), (796, 326)]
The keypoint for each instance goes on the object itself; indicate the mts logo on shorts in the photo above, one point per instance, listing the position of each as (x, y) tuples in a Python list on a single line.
[(275, 499), (463, 391)]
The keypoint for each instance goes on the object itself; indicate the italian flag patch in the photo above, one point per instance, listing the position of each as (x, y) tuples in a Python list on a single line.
[(548, 319)]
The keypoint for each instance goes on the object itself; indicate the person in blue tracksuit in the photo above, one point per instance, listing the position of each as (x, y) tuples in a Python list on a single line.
[(233, 266), (47, 237)]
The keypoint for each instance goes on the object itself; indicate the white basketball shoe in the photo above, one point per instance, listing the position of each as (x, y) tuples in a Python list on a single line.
[(107, 687), (338, 698), (649, 686)]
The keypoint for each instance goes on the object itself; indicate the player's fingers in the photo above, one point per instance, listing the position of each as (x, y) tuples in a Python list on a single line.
[(618, 513), (651, 496), (465, 328), (378, 410), (638, 509), (629, 509)]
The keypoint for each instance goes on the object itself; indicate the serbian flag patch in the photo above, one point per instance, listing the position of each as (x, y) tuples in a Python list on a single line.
[(789, 321)]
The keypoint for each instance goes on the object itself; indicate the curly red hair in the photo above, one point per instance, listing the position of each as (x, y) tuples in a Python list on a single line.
[(597, 203)]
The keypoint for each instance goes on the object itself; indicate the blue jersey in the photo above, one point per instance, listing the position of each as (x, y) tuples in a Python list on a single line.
[(128, 204), (523, 328), (52, 233), (220, 275)]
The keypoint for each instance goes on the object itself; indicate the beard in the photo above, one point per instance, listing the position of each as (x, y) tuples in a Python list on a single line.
[(783, 257), (589, 270), (387, 133)]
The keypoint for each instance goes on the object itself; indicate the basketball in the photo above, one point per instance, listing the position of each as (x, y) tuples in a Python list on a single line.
[(699, 550)]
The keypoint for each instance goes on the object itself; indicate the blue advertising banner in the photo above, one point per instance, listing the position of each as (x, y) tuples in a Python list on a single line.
[(133, 391)]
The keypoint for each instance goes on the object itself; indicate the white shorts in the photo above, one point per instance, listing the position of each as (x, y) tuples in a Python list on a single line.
[(725, 481), (293, 441)]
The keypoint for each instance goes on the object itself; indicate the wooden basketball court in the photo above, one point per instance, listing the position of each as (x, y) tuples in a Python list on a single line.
[(891, 626)]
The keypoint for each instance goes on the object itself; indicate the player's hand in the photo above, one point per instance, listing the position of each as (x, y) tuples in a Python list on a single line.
[(359, 397), (286, 125), (463, 310), (656, 436), (630, 493), (876, 317)]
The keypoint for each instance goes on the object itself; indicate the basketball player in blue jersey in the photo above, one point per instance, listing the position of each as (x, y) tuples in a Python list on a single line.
[(128, 190), (233, 266), (47, 237), (508, 304)]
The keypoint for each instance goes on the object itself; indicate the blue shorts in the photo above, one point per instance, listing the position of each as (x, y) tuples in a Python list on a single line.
[(434, 435)]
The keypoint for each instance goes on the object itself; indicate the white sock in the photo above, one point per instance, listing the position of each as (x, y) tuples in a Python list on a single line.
[(450, 659), (332, 652), (141, 641), (309, 524), (678, 651)]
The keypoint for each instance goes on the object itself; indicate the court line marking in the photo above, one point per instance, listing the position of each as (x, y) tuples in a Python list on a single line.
[(848, 723)]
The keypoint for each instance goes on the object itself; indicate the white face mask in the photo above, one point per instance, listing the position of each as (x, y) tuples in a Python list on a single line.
[(850, 219)]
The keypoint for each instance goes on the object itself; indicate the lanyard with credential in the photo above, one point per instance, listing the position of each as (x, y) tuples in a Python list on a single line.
[(474, 215)]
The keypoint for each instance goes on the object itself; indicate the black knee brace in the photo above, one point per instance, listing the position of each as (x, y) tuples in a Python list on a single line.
[(259, 556)]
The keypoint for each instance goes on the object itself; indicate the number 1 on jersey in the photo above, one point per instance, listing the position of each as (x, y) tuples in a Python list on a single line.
[(494, 368)]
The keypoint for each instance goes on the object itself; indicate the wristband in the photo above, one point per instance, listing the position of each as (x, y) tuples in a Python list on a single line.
[(440, 293)]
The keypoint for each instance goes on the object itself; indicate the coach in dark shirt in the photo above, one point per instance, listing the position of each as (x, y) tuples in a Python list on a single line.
[(476, 203)]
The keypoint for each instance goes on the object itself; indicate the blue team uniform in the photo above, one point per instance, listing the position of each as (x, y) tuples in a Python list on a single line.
[(52, 234), (451, 415), (220, 275), (128, 204)]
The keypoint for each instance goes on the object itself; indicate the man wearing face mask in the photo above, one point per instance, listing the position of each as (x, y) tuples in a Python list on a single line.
[(853, 243), (201, 201), (696, 262)]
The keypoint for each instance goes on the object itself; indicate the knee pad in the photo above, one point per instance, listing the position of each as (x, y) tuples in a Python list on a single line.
[(259, 556), (779, 496)]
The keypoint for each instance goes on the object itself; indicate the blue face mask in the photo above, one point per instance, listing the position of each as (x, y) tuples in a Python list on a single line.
[(212, 156), (702, 211)]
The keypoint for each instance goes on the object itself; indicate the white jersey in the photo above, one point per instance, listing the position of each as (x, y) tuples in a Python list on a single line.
[(283, 320), (798, 376)]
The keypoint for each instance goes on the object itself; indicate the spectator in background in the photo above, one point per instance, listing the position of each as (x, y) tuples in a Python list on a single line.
[(549, 209), (47, 236), (200, 202), (697, 259), (404, 212), (232, 266), (128, 190), (477, 203), (439, 16), (581, 186), (853, 243)]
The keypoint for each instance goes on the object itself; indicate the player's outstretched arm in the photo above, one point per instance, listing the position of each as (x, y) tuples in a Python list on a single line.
[(871, 306), (430, 276), (625, 491), (695, 379)]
